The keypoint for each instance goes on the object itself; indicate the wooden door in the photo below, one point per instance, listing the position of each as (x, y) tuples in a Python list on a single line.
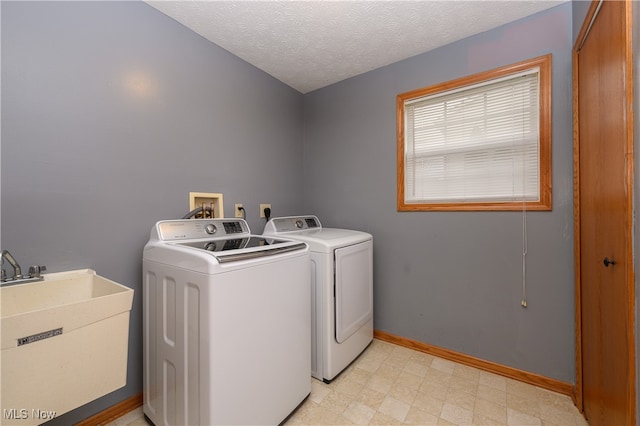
[(604, 172)]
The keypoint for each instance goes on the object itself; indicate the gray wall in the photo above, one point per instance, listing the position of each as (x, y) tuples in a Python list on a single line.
[(453, 279), (111, 114), (579, 12)]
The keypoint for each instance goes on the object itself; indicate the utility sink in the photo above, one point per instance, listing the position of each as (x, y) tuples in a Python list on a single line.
[(64, 343)]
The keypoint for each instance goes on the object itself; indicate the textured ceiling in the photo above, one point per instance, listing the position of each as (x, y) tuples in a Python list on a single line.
[(311, 44)]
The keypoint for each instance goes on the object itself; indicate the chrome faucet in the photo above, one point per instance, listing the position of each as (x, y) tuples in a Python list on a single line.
[(17, 272), (34, 271)]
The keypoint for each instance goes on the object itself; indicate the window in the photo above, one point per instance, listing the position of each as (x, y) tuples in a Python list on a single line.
[(478, 143)]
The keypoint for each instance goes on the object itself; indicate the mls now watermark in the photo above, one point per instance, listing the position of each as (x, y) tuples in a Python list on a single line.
[(25, 414)]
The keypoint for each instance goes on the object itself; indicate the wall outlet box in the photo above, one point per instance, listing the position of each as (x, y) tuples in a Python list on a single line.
[(211, 202), (239, 211), (262, 207)]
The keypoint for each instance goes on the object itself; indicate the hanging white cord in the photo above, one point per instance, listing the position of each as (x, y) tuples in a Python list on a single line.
[(523, 303), (524, 256)]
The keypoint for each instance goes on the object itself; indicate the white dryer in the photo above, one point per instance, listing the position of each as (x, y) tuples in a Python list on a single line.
[(341, 290), (227, 324)]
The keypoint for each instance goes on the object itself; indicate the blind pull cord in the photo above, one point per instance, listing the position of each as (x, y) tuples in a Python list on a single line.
[(523, 303)]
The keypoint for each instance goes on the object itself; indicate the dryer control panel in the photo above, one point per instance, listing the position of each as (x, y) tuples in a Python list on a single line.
[(293, 223), (185, 229)]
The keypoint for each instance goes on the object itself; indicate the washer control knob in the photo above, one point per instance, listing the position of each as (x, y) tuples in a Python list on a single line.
[(299, 223), (210, 228)]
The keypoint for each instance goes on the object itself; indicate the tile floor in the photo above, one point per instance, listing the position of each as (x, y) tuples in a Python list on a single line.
[(393, 385)]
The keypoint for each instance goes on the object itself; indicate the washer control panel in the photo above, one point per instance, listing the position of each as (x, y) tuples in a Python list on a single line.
[(293, 223), (185, 229)]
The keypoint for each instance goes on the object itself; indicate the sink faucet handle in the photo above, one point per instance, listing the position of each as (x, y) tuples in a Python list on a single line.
[(17, 272), (35, 270)]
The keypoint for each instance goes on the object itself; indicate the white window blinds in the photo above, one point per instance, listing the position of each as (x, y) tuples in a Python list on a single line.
[(478, 143)]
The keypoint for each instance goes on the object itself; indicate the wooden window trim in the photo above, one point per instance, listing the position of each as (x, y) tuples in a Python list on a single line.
[(545, 202)]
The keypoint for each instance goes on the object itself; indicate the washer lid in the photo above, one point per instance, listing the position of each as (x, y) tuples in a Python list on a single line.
[(226, 244), (200, 243), (234, 249)]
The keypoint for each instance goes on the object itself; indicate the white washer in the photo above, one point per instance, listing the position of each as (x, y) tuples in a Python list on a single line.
[(226, 319), (341, 290)]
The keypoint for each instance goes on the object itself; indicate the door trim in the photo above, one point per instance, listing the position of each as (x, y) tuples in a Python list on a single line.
[(629, 172)]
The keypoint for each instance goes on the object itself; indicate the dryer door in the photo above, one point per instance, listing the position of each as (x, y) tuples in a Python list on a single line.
[(353, 288)]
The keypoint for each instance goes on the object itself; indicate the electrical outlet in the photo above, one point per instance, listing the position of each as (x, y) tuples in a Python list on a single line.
[(262, 207), (238, 209)]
